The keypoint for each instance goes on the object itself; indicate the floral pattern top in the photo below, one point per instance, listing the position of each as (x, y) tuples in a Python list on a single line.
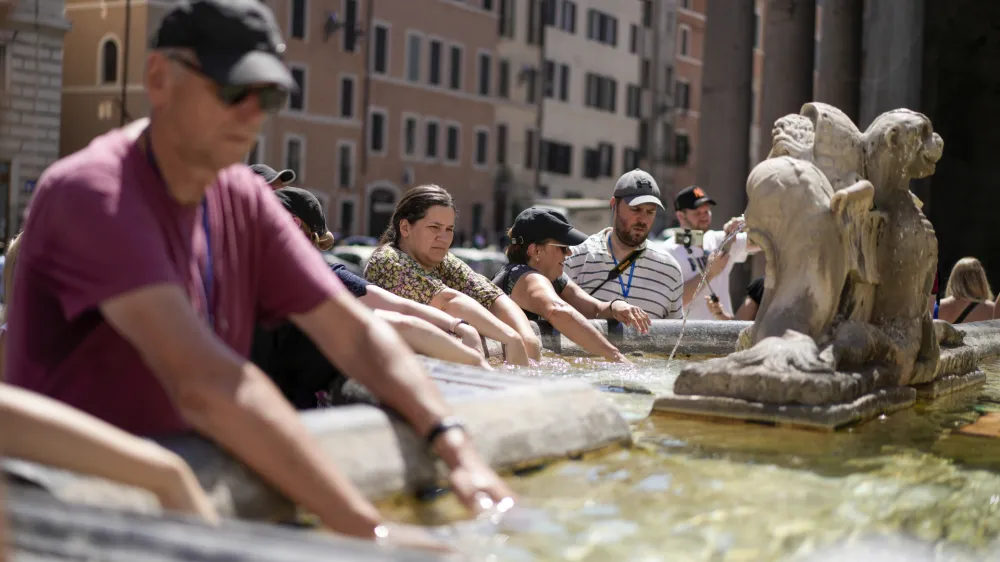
[(396, 272)]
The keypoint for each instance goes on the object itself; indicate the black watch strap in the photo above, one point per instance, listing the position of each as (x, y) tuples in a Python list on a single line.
[(441, 427)]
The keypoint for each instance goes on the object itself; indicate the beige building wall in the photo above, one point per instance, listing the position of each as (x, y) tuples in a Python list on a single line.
[(571, 121), (516, 112), (31, 66)]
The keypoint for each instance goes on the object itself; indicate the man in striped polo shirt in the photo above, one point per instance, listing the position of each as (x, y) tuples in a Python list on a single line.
[(617, 262)]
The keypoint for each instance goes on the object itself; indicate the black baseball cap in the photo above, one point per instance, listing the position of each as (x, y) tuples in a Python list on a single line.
[(692, 197), (537, 224), (636, 188), (304, 205), (269, 175), (237, 42)]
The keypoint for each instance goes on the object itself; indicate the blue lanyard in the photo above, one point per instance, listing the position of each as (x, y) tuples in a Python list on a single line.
[(631, 270), (207, 277)]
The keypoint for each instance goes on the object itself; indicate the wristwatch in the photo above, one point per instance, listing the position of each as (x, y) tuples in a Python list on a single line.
[(442, 427)]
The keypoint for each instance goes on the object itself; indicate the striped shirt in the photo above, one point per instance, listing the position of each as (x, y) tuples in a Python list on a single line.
[(657, 285)]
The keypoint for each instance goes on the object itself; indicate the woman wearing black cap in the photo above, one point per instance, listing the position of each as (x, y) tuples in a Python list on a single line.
[(534, 279), (301, 370)]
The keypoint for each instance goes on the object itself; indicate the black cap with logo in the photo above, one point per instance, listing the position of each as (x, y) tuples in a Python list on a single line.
[(237, 42), (636, 188), (692, 197), (304, 205), (537, 224)]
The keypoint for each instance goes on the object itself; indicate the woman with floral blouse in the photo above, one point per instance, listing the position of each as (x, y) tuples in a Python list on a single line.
[(413, 261)]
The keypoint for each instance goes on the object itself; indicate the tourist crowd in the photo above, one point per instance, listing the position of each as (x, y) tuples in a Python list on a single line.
[(162, 287)]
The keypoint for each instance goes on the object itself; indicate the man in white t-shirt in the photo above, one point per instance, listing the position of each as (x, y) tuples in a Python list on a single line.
[(694, 211)]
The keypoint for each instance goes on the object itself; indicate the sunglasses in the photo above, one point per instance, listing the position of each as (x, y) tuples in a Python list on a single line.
[(271, 97), (564, 247)]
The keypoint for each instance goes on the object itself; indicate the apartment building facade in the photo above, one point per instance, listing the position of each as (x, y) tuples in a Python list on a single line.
[(392, 95), (590, 97), (658, 47), (688, 58), (31, 67)]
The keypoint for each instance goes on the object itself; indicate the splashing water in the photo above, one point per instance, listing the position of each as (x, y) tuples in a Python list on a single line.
[(704, 280)]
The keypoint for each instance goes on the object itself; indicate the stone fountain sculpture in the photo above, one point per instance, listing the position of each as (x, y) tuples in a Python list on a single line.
[(843, 327)]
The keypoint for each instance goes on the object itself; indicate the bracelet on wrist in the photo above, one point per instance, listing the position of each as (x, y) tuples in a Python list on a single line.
[(454, 329), (442, 427)]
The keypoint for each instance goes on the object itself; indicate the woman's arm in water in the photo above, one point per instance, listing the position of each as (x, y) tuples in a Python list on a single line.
[(619, 310), (465, 307), (427, 339), (379, 299), (52, 433), (509, 313), (534, 293)]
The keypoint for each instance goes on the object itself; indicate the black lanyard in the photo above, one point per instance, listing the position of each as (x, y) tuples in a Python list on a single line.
[(208, 275)]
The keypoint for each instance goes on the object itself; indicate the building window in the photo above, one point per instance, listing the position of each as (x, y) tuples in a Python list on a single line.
[(756, 30), (380, 46), (557, 157), (534, 29), (564, 82), (549, 8), (294, 147), (682, 98), (633, 95), (488, 5), (686, 4), (434, 68), (345, 165), (482, 147), (602, 28), (350, 25), (413, 45), (503, 79), (297, 99), (684, 37), (647, 13), (591, 163), (109, 61), (607, 157), (633, 38), (531, 81), (485, 72), (630, 160), (453, 144), (298, 19), (643, 138), (347, 97), (455, 68), (682, 149), (507, 21), (549, 79), (568, 20), (346, 218), (600, 92), (529, 149), (377, 132), (501, 144), (645, 71), (432, 140), (410, 136)]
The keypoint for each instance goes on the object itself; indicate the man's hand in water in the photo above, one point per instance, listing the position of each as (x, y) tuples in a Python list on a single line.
[(473, 481), (631, 316)]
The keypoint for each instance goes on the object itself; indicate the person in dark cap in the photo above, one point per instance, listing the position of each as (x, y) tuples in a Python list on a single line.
[(619, 263), (540, 241), (177, 250), (305, 376), (276, 180), (694, 213)]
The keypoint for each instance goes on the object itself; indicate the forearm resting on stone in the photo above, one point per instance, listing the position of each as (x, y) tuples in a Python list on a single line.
[(426, 339), (464, 307)]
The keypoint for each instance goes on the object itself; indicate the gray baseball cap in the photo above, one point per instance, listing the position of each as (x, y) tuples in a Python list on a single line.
[(638, 187)]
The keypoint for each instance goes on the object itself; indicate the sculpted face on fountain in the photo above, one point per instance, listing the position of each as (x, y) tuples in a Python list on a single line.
[(903, 140)]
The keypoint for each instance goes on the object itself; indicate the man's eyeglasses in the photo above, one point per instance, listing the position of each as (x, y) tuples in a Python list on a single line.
[(271, 98)]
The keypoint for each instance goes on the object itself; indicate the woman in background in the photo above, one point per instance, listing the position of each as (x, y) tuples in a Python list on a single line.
[(413, 262), (534, 278), (967, 297)]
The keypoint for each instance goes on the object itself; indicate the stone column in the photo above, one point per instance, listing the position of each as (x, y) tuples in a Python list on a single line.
[(726, 113), (839, 81), (789, 53), (893, 47), (726, 95)]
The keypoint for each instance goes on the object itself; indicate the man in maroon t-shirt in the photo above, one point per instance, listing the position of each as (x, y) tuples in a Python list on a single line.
[(148, 256)]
